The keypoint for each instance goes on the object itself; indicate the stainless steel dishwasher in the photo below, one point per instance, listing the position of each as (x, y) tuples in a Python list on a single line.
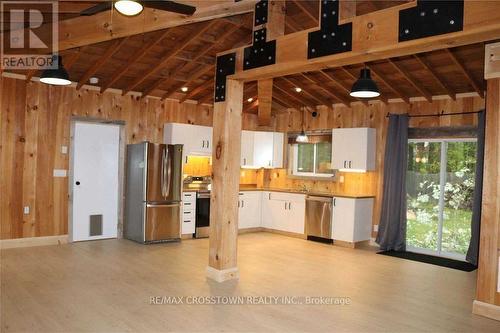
[(319, 217)]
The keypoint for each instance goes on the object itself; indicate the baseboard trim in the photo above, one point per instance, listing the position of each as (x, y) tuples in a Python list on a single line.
[(486, 310), (222, 275), (33, 241), (249, 230), (285, 233)]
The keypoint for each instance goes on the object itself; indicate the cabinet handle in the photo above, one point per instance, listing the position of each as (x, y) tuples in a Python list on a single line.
[(350, 164), (239, 204), (203, 144), (208, 143), (244, 161), (344, 164), (242, 203), (334, 202), (269, 195), (286, 204), (186, 159), (269, 163), (289, 206)]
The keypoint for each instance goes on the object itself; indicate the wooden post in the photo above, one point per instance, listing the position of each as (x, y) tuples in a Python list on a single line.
[(265, 93), (275, 27), (227, 117), (487, 301)]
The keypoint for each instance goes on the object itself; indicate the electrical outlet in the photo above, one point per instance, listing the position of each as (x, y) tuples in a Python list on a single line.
[(64, 150), (26, 210), (375, 227), (341, 179)]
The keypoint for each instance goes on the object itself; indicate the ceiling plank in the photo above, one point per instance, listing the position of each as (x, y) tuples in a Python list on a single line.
[(304, 9), (112, 49), (411, 80), (468, 75), (297, 100), (319, 85), (421, 59), (319, 99), (252, 106), (192, 77), (169, 55), (198, 89), (220, 40), (137, 56), (382, 78)]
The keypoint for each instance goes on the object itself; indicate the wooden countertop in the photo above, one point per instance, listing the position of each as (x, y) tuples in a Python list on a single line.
[(322, 194)]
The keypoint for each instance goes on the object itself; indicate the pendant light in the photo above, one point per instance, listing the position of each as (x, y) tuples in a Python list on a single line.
[(365, 87), (58, 76), (302, 137), (128, 7)]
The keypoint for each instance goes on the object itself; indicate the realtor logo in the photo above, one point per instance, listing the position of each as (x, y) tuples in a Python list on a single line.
[(29, 31)]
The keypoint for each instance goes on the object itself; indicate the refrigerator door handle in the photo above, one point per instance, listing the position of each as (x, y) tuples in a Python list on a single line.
[(162, 178), (169, 171)]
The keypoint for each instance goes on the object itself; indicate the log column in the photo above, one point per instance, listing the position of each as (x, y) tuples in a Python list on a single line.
[(227, 117), (487, 301)]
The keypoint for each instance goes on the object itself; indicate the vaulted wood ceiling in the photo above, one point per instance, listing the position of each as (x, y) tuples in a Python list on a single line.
[(160, 63)]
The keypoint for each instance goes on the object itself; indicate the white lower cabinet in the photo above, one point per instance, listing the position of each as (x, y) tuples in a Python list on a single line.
[(250, 209), (188, 218), (283, 211), (352, 219)]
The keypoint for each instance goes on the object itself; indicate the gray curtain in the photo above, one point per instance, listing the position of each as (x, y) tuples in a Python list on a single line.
[(392, 226), (473, 251)]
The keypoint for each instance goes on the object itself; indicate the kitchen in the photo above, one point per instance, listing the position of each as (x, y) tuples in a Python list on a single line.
[(329, 160)]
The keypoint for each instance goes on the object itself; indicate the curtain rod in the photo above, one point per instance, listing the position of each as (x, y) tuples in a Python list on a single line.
[(441, 114)]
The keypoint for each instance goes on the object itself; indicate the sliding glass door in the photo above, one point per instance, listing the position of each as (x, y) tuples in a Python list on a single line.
[(440, 188)]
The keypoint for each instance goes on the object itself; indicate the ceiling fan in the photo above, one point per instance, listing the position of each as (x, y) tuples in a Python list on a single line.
[(135, 7)]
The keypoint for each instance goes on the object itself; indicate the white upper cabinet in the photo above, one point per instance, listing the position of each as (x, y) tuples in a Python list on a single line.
[(197, 140), (261, 149), (353, 149)]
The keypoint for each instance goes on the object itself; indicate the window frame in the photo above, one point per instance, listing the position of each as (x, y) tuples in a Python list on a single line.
[(314, 174)]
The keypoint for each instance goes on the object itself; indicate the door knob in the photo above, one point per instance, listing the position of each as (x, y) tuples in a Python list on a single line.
[(77, 182)]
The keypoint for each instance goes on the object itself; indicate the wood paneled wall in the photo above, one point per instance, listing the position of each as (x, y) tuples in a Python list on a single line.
[(35, 123)]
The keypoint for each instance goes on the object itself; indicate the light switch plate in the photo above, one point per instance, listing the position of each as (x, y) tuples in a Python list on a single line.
[(64, 150), (60, 173), (341, 179), (375, 227), (26, 210)]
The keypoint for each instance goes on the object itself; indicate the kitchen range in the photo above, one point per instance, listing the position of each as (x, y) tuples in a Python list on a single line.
[(197, 212)]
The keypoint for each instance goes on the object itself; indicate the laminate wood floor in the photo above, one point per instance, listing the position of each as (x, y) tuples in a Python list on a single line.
[(105, 286)]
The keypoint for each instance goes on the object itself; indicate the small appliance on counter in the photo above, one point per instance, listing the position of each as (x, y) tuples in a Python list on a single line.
[(202, 186), (153, 193)]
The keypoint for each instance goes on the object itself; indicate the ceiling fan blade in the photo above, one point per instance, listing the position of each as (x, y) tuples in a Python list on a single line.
[(170, 6), (102, 7)]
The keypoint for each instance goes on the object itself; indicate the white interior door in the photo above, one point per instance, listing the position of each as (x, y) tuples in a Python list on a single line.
[(95, 181)]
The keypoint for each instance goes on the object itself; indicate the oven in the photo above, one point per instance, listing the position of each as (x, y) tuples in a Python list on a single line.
[(202, 214)]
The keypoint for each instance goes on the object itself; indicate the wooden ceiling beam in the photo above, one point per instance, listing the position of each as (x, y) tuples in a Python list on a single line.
[(110, 51), (137, 56), (203, 52), (283, 100), (468, 75), (421, 59), (169, 55), (86, 30), (391, 87), (319, 85), (481, 22), (411, 80)]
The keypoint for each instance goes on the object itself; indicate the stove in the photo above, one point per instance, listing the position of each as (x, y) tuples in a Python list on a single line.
[(202, 186)]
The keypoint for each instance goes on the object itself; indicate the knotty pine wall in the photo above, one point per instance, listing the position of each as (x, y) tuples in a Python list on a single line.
[(35, 123)]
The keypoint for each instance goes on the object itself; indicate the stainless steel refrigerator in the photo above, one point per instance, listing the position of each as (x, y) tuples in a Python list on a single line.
[(153, 192)]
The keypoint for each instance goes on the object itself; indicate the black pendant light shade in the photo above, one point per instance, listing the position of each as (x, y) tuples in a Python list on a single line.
[(365, 87), (58, 76)]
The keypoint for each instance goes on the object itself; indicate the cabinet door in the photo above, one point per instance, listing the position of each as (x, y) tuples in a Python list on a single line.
[(250, 210), (353, 148), (340, 148), (343, 219), (247, 148), (278, 144), (295, 217), (263, 149)]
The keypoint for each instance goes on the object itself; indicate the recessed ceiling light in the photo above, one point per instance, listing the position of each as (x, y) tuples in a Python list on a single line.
[(250, 100), (94, 80), (128, 7), (298, 89), (184, 89)]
